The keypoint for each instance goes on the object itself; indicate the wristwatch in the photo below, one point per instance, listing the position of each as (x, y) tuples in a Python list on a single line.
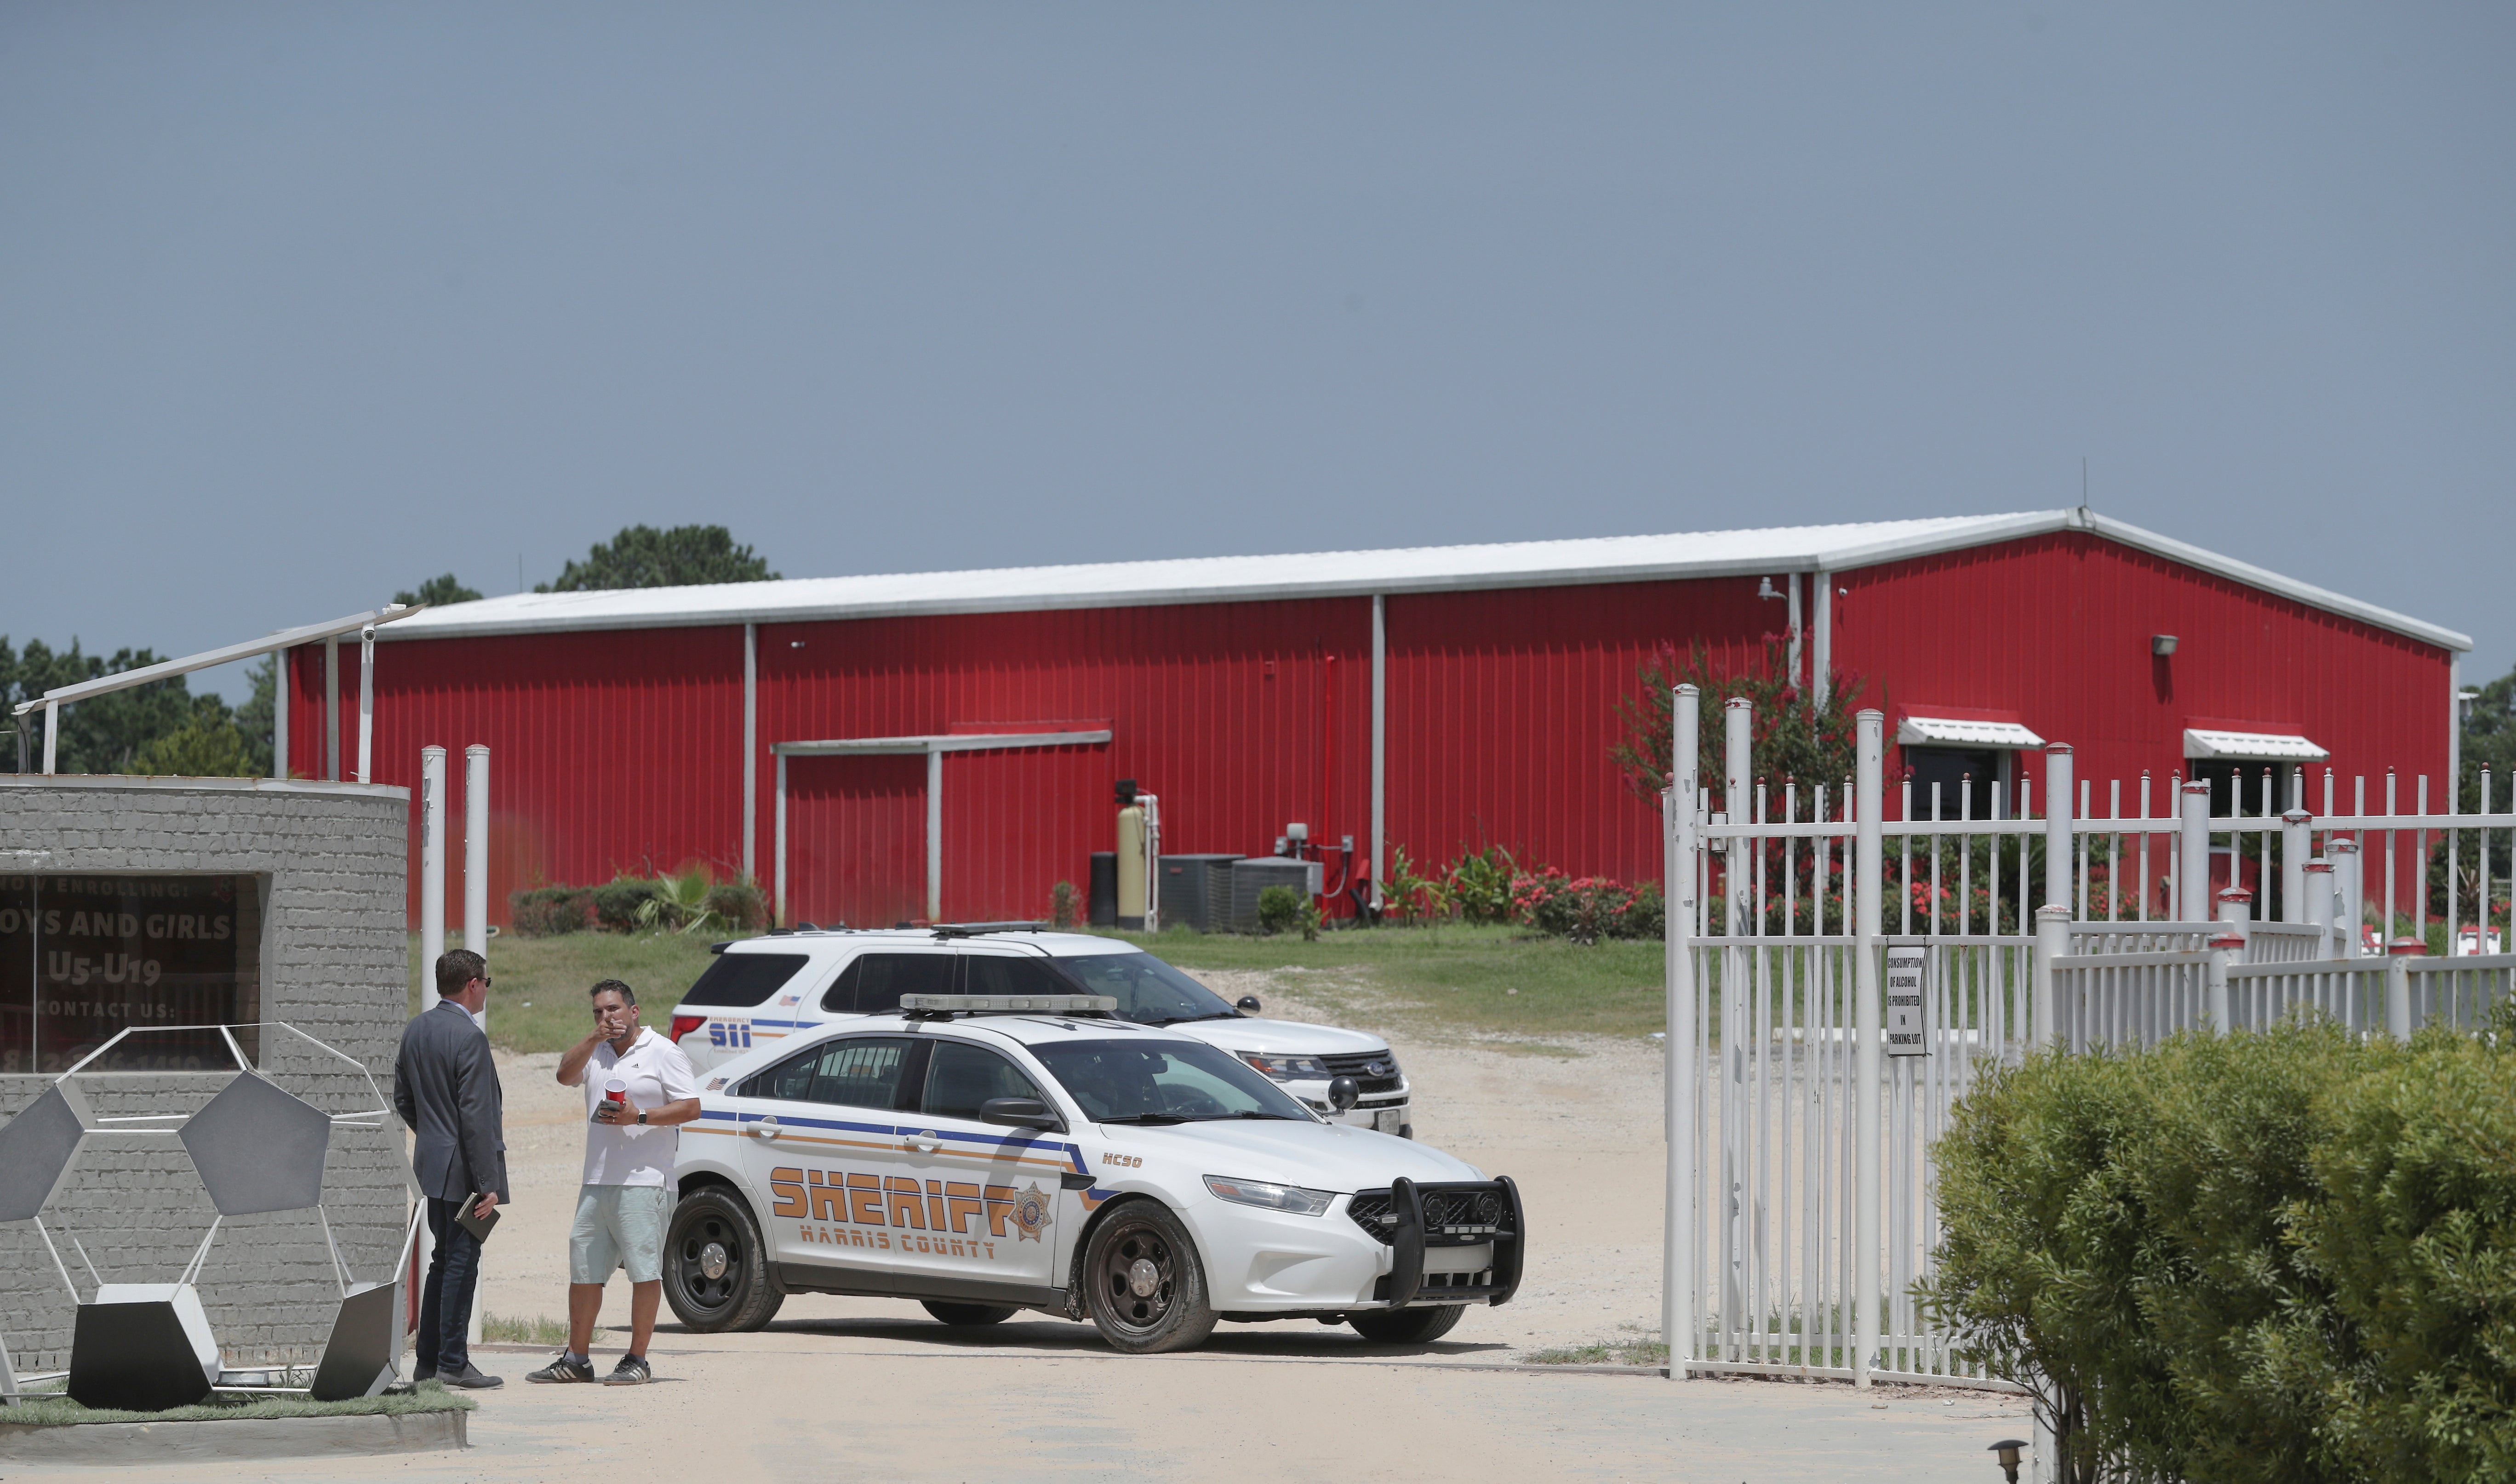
[(641, 1115)]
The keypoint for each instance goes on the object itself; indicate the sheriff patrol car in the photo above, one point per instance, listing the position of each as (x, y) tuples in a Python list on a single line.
[(762, 991), (986, 1154)]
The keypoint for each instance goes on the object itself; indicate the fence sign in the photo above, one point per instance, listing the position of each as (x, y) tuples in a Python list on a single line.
[(1909, 1014)]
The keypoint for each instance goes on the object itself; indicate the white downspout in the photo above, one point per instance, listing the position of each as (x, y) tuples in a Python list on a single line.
[(934, 834), (432, 868), (280, 714), (366, 697), (1823, 651), (1379, 745), (332, 708), (476, 848), (779, 918), (51, 733), (1796, 634), (750, 748)]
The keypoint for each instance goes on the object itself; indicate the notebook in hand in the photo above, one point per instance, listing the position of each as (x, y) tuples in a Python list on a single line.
[(471, 1219)]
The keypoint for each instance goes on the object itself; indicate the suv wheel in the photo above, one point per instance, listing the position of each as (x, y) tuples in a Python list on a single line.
[(1420, 1326), (716, 1267), (1143, 1283), (971, 1314)]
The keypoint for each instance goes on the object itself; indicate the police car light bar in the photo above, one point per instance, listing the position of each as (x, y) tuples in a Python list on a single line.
[(1008, 1005)]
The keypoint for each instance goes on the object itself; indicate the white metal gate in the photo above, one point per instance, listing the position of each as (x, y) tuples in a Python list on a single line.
[(1801, 1174)]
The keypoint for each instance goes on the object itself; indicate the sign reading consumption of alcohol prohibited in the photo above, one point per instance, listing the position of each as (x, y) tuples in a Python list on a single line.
[(1909, 1001)]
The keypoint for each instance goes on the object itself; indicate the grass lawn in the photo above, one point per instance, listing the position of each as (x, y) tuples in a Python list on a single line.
[(537, 991), (1472, 978), (1491, 979), (42, 1410)]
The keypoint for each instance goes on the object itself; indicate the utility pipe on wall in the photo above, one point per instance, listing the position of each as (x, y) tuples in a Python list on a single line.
[(1821, 652), (332, 708), (432, 867), (52, 735)]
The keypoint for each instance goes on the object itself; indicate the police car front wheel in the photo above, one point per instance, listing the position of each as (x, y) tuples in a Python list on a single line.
[(716, 1269), (1143, 1283)]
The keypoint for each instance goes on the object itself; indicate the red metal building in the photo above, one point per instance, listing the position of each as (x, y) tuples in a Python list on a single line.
[(946, 742)]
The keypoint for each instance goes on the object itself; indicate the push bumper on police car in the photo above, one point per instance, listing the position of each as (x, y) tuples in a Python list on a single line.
[(1408, 1244)]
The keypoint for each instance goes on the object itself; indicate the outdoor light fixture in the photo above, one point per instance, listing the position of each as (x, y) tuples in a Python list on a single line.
[(2161, 644), (1765, 589), (2008, 1449)]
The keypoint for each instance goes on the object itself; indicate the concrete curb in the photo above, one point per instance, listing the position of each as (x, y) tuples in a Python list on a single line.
[(291, 1437)]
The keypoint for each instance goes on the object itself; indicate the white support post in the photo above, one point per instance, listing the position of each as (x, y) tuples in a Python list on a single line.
[(366, 699), (1379, 744), (1821, 648), (332, 708), (2317, 895), (779, 915), (1681, 874), (2052, 941), (476, 848), (1870, 870), (2057, 836), (2349, 900), (52, 734), (1738, 742), (279, 714), (2296, 835), (2193, 854), (750, 748), (432, 869), (934, 836), (1799, 637), (2397, 996)]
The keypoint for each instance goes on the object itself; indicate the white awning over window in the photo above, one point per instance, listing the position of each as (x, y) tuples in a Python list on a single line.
[(2250, 746), (1946, 731)]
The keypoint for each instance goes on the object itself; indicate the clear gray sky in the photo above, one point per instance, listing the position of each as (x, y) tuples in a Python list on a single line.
[(301, 304)]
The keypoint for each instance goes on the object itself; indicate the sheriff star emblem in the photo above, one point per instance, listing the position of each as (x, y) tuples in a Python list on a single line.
[(1030, 1212)]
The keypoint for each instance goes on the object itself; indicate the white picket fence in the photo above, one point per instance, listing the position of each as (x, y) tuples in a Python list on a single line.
[(1801, 1175)]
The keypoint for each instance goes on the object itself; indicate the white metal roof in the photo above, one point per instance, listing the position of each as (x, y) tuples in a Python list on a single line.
[(2250, 746), (1335, 574), (1946, 731)]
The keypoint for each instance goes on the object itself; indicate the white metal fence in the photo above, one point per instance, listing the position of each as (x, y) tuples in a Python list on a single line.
[(1801, 1175)]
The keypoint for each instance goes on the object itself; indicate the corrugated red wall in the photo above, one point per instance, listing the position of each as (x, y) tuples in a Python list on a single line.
[(622, 751)]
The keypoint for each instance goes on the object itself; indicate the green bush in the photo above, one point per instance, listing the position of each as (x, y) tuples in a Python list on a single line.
[(739, 906), (1284, 909), (617, 902), (544, 912), (2289, 1256)]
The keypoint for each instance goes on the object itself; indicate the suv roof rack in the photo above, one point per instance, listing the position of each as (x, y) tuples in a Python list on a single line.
[(945, 1007), (973, 930)]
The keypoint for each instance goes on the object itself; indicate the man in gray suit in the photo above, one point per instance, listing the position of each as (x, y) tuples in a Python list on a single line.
[(446, 1090)]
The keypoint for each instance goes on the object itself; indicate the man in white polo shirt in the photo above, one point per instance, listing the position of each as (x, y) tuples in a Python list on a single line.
[(637, 1086)]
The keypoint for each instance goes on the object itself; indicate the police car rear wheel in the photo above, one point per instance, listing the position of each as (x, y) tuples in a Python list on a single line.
[(1408, 1326), (1142, 1281), (971, 1314), (715, 1274)]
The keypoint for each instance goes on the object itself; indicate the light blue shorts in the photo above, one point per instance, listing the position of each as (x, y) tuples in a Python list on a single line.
[(618, 1226)]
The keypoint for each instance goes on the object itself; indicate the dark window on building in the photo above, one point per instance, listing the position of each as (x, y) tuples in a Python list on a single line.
[(168, 958), (1965, 777), (737, 979), (2236, 788)]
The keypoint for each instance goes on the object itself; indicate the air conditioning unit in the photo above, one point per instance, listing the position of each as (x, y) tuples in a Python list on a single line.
[(1256, 874), (1197, 890)]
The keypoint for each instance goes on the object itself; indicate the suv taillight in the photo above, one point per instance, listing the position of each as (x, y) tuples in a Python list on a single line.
[(683, 1025)]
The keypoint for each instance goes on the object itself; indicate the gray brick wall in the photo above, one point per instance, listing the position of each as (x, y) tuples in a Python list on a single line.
[(333, 859)]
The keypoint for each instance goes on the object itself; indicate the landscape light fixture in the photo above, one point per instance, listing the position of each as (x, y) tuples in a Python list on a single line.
[(1765, 589), (2161, 645), (2008, 1449)]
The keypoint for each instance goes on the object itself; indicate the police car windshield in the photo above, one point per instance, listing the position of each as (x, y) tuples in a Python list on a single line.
[(1148, 990), (1161, 1082)]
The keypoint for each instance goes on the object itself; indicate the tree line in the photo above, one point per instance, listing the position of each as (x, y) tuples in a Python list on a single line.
[(167, 728)]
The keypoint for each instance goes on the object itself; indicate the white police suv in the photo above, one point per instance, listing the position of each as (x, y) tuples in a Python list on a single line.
[(982, 1154), (762, 991)]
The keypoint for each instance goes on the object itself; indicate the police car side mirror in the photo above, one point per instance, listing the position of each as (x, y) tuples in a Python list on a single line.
[(1344, 1092), (1247, 1004), (1019, 1113)]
